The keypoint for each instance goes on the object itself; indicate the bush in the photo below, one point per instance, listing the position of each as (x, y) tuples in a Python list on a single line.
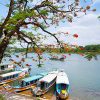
[(2, 97)]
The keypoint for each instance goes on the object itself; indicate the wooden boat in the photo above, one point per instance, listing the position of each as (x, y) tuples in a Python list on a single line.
[(28, 82), (12, 76), (62, 85), (45, 83)]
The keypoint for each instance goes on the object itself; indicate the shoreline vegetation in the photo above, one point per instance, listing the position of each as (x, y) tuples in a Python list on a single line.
[(89, 49)]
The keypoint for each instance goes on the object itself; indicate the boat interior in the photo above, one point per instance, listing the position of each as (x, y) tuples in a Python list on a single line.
[(62, 88), (43, 85)]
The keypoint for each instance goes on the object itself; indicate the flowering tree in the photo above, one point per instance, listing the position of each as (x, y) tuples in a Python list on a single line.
[(24, 14)]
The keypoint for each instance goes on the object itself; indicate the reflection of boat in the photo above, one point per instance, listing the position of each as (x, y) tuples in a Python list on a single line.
[(28, 82), (62, 85), (45, 83), (12, 76), (62, 58)]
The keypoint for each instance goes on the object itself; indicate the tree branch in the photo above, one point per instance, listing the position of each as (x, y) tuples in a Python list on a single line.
[(8, 16), (9, 13)]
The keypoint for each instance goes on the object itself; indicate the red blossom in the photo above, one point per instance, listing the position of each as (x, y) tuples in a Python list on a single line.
[(27, 65), (88, 7), (67, 49), (66, 33), (75, 35), (84, 10), (81, 48), (82, 54)]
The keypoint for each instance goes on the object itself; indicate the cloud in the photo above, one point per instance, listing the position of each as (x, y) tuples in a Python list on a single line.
[(88, 29), (96, 1)]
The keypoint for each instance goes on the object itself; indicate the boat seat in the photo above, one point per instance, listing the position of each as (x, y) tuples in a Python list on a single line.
[(63, 91)]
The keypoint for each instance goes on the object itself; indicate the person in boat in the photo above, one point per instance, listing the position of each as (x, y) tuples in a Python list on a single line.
[(63, 92), (63, 57), (55, 57), (63, 89)]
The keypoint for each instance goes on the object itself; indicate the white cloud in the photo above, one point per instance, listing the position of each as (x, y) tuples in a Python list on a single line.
[(88, 29), (96, 1)]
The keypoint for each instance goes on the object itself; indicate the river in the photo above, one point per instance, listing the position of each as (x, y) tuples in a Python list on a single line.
[(84, 75)]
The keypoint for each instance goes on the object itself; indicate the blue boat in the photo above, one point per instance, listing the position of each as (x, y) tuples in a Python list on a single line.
[(29, 82), (62, 85)]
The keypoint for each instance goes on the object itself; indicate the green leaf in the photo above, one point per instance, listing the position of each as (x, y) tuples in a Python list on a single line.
[(44, 12), (7, 5)]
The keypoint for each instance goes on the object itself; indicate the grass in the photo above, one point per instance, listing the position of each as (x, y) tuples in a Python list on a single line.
[(2, 97)]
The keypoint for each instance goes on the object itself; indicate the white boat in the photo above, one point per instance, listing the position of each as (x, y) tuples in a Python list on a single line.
[(62, 85), (11, 76), (45, 83), (6, 67)]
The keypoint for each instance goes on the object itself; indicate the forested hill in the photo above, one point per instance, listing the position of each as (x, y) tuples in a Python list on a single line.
[(92, 48)]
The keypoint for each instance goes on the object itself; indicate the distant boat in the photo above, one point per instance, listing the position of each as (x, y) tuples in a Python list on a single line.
[(12, 76), (62, 58), (62, 85), (28, 82), (45, 83)]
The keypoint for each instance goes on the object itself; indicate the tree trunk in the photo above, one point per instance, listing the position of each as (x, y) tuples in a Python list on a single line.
[(2, 50), (4, 44)]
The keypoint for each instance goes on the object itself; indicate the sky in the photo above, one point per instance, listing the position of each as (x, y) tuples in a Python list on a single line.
[(87, 27)]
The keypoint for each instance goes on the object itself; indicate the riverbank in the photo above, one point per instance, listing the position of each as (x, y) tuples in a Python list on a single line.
[(9, 94)]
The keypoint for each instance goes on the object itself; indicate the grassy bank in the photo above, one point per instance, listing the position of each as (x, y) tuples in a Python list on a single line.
[(2, 97)]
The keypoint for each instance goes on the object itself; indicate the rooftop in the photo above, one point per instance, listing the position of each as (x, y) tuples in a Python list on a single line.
[(48, 78), (11, 73), (32, 78), (43, 74), (62, 78)]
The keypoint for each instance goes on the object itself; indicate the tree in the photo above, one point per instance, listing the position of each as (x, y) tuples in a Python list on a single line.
[(23, 14)]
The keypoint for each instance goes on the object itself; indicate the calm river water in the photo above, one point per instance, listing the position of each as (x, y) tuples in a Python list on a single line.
[(84, 75)]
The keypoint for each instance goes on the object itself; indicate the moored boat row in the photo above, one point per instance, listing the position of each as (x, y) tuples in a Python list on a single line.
[(56, 77), (39, 84)]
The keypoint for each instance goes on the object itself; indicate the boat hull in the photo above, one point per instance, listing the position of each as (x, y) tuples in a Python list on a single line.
[(11, 80), (60, 59), (40, 93), (24, 88)]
